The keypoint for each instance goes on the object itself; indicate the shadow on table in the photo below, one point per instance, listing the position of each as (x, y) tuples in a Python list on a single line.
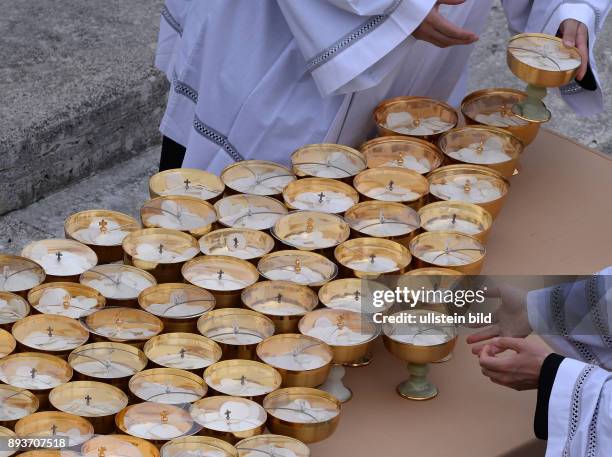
[(535, 448)]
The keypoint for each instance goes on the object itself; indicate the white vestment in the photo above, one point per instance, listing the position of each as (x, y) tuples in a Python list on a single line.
[(575, 319), (256, 79)]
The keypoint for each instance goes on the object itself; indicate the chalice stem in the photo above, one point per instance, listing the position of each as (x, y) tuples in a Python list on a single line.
[(417, 387)]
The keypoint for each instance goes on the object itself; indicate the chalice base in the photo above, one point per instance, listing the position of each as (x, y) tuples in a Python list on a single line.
[(417, 387), (533, 108), (335, 386)]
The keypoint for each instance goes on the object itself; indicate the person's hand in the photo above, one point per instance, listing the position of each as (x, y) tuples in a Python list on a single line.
[(439, 31), (510, 318), (519, 371), (575, 33)]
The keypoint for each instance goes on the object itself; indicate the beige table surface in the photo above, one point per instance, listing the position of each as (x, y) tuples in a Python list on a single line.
[(556, 220)]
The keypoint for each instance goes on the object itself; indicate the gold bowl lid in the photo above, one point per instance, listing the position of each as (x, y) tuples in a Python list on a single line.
[(271, 445), (493, 107), (5, 435), (421, 330), (160, 245), (415, 116), (66, 299), (309, 230), (294, 352), (186, 181), (107, 360), (235, 326), (56, 424), (177, 212), (12, 308), (301, 267), (185, 351), (123, 324), (18, 274), (353, 294), (88, 399), (279, 298), (403, 152), (228, 414), (302, 405), (467, 183), (542, 52), (50, 333), (382, 219), (176, 301), (16, 403), (372, 255), (100, 227), (338, 327), (117, 281), (447, 249), (34, 371), (481, 145), (198, 446), (242, 378), (320, 194), (220, 273), (455, 216), (7, 343), (118, 446), (327, 160), (257, 177), (391, 184), (61, 257), (167, 385), (155, 421), (256, 212), (242, 243)]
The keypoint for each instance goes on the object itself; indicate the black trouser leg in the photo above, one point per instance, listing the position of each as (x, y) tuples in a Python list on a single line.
[(172, 155)]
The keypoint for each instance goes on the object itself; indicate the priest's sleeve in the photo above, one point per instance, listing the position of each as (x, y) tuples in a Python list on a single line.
[(170, 32), (351, 45)]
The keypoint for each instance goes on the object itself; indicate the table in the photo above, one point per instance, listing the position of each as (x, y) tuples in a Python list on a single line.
[(556, 220)]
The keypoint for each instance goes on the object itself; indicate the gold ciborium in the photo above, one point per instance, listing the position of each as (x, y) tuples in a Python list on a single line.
[(178, 212), (97, 402), (456, 216), (393, 184), (123, 325), (198, 446), (256, 212), (284, 302), (327, 160), (19, 274), (185, 351), (62, 260), (301, 360), (311, 230), (230, 419), (101, 230), (119, 284), (242, 243), (56, 424), (369, 258), (309, 415), (352, 294), (66, 299), (178, 305), (49, 333), (419, 342), (242, 378), (270, 445), (118, 446), (256, 177), (7, 343), (13, 307), (16, 403), (167, 385), (403, 152), (320, 194), (448, 250), (186, 181), (237, 331), (301, 267), (7, 434)]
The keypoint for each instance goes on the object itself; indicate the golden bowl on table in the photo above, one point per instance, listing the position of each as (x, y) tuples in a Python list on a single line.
[(179, 212), (256, 177), (421, 117), (435, 282), (237, 331), (368, 258), (55, 424), (101, 230), (311, 230), (393, 184), (118, 446), (225, 277), (320, 194), (19, 274), (266, 445), (327, 160), (97, 402), (470, 183), (493, 108), (196, 446), (161, 252), (256, 212), (7, 434), (456, 216), (448, 250), (13, 307), (123, 325), (284, 302), (62, 260), (66, 299), (178, 305), (7, 343), (119, 284), (480, 145), (49, 333), (185, 351), (167, 385), (245, 244), (301, 267), (242, 378), (301, 360), (16, 403), (352, 294), (111, 363), (50, 453), (309, 415), (403, 152), (186, 181)]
